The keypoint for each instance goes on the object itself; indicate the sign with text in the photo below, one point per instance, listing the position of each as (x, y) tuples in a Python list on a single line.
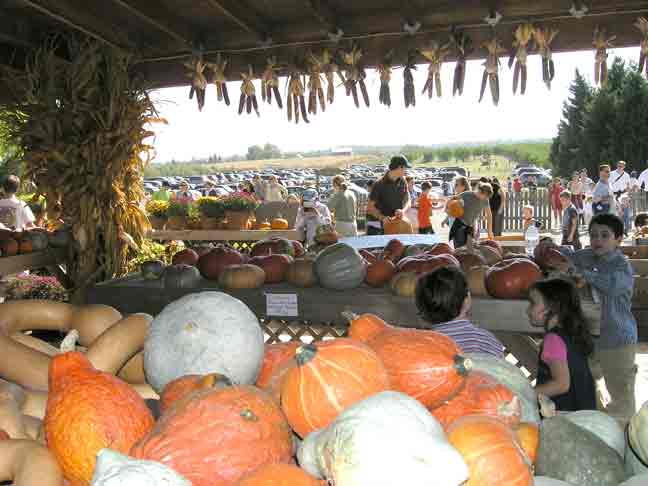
[(282, 305)]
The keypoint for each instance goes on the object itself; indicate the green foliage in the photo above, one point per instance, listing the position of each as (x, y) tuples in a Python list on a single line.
[(150, 250), (211, 207), (268, 151), (177, 209), (239, 202)]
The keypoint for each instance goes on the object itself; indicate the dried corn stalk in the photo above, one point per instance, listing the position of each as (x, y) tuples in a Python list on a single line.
[(82, 127)]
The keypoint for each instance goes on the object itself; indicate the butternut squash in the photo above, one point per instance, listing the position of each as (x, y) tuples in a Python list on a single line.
[(28, 463), (133, 371)]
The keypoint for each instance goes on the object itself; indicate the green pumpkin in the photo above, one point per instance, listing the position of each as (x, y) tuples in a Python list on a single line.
[(152, 269), (181, 277), (38, 239), (340, 267)]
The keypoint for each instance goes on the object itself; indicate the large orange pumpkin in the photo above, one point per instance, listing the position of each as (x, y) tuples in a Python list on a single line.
[(364, 327), (275, 266), (511, 279), (88, 410), (481, 395), (380, 272), (279, 475), (490, 450), (426, 365), (528, 436), (184, 386), (330, 376), (455, 208), (275, 355), (217, 436), (426, 263)]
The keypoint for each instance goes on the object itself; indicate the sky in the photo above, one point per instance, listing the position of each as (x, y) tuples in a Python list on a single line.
[(220, 130)]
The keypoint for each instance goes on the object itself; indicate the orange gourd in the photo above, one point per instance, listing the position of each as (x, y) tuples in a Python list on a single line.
[(88, 410), (265, 225), (275, 355), (279, 475), (491, 452), (330, 376), (279, 223), (528, 436), (217, 436), (184, 386), (380, 272), (364, 327), (426, 365), (481, 395), (455, 209)]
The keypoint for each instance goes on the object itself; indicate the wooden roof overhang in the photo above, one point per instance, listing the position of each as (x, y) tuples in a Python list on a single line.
[(165, 33)]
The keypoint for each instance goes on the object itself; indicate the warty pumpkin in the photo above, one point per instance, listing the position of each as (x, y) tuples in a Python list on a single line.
[(329, 377), (301, 273), (275, 266), (491, 451), (115, 469), (364, 327), (184, 386), (244, 276), (217, 436), (274, 357), (426, 365), (279, 475), (379, 273), (88, 410)]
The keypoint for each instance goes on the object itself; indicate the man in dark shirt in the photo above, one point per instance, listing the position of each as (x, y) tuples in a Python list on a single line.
[(389, 195)]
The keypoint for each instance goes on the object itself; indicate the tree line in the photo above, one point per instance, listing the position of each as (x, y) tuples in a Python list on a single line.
[(603, 125), (531, 152)]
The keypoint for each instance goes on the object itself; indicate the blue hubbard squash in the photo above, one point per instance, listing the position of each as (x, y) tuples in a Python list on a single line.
[(340, 267), (180, 277)]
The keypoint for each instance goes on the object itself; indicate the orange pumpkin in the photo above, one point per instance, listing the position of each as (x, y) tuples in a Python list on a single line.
[(279, 223), (364, 327), (184, 386), (276, 355), (380, 272), (426, 263), (8, 247), (511, 279), (439, 249), (491, 452), (367, 255), (426, 365), (88, 410), (397, 226), (265, 225), (330, 376), (455, 208), (279, 475), (481, 395), (275, 266), (393, 250), (528, 436), (217, 436)]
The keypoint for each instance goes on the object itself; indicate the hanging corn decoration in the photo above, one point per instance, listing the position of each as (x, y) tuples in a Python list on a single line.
[(355, 75), (519, 54), (435, 55), (491, 70), (248, 99), (602, 43), (296, 102), (408, 81), (315, 88), (543, 38), (385, 71), (463, 47), (329, 68), (270, 82), (196, 67), (642, 25)]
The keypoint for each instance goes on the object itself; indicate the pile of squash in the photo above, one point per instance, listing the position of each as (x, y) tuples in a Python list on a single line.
[(195, 397), (14, 243)]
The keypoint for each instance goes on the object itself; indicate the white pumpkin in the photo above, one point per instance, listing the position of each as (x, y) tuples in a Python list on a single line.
[(115, 469), (638, 433), (201, 333), (641, 480), (601, 425), (633, 465), (386, 439)]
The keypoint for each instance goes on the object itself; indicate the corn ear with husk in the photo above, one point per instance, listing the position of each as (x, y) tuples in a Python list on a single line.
[(408, 82), (296, 102), (435, 55), (315, 85), (519, 55), (270, 82), (601, 43), (248, 99), (219, 79), (543, 38), (196, 71), (491, 70), (642, 25), (385, 72), (355, 76), (463, 47)]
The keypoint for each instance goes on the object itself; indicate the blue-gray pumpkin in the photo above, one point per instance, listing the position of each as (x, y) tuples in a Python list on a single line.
[(181, 277), (340, 267)]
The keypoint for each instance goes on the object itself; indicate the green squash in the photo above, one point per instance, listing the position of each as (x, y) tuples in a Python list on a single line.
[(638, 433), (639, 480), (601, 425), (577, 456), (634, 465), (340, 267), (181, 277), (152, 269)]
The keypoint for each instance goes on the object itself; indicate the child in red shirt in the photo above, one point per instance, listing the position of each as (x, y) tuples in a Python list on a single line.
[(425, 210)]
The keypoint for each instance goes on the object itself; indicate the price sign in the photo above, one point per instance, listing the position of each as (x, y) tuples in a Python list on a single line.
[(282, 305)]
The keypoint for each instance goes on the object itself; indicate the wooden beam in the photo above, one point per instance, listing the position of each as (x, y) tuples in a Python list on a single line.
[(258, 28), (151, 19), (16, 34), (324, 14)]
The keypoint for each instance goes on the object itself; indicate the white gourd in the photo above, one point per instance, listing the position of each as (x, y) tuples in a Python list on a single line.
[(601, 425), (638, 433), (115, 469), (201, 333), (384, 440)]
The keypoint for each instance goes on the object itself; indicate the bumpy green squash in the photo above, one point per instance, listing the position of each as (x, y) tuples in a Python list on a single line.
[(601, 425), (340, 267), (638, 433), (640, 480)]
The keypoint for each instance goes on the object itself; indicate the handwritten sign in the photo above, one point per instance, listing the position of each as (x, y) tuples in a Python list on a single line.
[(282, 305)]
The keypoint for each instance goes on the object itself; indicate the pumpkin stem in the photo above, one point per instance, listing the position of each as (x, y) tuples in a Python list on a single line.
[(463, 364), (305, 354), (215, 380), (69, 341), (248, 414), (350, 316)]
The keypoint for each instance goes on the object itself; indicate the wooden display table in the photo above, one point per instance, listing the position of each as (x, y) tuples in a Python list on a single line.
[(221, 235), (41, 259)]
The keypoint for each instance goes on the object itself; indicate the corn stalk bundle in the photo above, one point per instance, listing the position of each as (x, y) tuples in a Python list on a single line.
[(82, 127)]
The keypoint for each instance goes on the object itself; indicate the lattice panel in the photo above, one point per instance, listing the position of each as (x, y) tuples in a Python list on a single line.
[(283, 331)]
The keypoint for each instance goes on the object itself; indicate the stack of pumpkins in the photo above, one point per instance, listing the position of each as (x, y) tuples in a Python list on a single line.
[(384, 406), (14, 243)]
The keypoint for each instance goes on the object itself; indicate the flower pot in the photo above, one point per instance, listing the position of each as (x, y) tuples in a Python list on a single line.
[(157, 223), (176, 222), (208, 223), (237, 220)]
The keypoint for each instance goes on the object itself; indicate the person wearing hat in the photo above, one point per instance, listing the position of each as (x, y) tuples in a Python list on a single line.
[(185, 195), (389, 197), (311, 214)]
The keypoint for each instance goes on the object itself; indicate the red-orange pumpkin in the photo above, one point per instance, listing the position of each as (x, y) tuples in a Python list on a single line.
[(280, 475), (330, 376), (426, 365), (273, 245), (491, 452), (393, 250), (184, 386), (367, 255), (481, 395), (275, 356), (364, 327), (217, 436), (380, 272), (548, 257), (467, 260), (528, 436), (511, 279), (426, 263), (275, 266), (185, 257), (440, 249), (8, 247), (212, 264), (88, 410)]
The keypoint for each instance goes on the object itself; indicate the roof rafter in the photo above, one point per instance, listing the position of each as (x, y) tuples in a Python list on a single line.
[(151, 19), (255, 27), (324, 14)]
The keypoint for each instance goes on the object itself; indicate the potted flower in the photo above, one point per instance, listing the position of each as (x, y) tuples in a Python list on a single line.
[(238, 209), (212, 212), (177, 215), (157, 213)]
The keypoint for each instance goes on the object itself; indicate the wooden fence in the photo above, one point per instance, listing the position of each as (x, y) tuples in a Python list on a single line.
[(538, 199)]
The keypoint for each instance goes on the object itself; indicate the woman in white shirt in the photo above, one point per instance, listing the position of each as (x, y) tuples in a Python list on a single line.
[(14, 213)]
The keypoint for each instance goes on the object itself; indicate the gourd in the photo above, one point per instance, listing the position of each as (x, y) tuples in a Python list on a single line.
[(601, 425), (217, 436), (184, 386), (330, 376), (279, 475), (274, 266), (575, 455), (115, 469), (203, 333), (185, 257), (242, 276), (364, 327), (638, 433), (511, 279), (426, 365), (88, 410), (403, 284), (213, 263), (491, 452), (301, 273), (279, 223), (274, 357), (180, 277), (340, 267), (385, 440), (512, 377), (152, 269), (28, 463), (379, 273)]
